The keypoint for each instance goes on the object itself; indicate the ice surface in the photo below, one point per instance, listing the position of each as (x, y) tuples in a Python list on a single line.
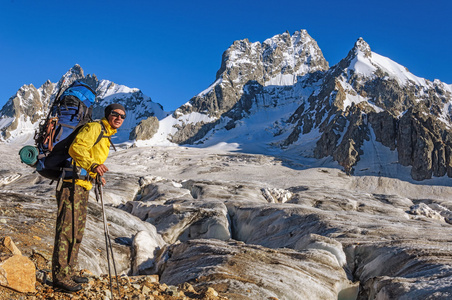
[(249, 222)]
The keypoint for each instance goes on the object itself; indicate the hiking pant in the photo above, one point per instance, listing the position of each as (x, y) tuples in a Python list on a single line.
[(69, 229)]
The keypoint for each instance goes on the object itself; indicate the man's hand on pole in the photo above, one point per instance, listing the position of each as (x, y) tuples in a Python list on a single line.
[(101, 170)]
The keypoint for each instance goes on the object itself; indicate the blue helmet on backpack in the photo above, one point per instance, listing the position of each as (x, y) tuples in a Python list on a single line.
[(82, 91)]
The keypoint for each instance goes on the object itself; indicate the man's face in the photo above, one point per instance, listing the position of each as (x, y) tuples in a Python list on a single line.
[(115, 118)]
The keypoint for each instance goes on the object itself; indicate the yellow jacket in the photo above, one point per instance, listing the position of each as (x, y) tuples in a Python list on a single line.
[(86, 154)]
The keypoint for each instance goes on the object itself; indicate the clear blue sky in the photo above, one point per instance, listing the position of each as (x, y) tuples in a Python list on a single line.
[(171, 50)]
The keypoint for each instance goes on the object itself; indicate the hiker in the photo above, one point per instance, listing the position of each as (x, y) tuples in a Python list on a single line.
[(72, 197)]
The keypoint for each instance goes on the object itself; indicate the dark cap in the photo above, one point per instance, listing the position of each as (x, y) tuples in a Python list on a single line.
[(112, 107)]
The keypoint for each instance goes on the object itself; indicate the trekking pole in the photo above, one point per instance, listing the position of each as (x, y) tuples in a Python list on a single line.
[(108, 246)]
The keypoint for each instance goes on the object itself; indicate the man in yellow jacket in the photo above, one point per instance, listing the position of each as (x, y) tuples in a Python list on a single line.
[(89, 153)]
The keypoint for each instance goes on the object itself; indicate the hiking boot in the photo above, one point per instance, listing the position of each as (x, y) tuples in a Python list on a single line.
[(80, 279), (67, 285)]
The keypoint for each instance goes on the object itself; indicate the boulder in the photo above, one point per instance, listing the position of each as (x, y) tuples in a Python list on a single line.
[(16, 271), (7, 245), (145, 129)]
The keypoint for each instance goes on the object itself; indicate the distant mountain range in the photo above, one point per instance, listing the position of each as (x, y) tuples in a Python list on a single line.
[(21, 115), (281, 96)]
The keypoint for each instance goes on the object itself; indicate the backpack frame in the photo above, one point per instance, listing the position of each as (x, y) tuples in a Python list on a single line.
[(70, 111)]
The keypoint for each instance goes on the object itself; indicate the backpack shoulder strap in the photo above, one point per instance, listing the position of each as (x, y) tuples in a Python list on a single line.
[(102, 135)]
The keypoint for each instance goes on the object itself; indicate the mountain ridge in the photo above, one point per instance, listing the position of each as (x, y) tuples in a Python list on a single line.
[(364, 95), (21, 115), (281, 96)]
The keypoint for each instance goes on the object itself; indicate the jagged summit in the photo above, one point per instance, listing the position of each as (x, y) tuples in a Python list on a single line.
[(360, 54), (76, 69), (277, 56), (296, 55), (74, 73), (77, 73), (279, 61), (362, 46), (361, 62)]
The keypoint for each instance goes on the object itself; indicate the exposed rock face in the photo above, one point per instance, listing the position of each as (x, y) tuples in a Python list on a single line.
[(385, 127), (425, 143), (30, 105), (421, 139), (145, 129), (26, 105), (365, 97), (246, 67)]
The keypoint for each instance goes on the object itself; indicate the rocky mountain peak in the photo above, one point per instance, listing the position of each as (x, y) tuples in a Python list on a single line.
[(361, 50), (73, 74), (281, 60), (362, 46), (365, 98), (76, 70), (298, 55)]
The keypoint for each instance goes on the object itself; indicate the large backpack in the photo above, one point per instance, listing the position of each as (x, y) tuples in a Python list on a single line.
[(58, 163), (68, 113), (70, 110)]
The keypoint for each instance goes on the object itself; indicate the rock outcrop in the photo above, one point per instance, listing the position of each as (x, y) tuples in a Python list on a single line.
[(145, 130), (425, 143), (17, 272)]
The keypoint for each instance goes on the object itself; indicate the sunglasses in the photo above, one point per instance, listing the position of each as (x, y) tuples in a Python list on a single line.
[(116, 114)]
